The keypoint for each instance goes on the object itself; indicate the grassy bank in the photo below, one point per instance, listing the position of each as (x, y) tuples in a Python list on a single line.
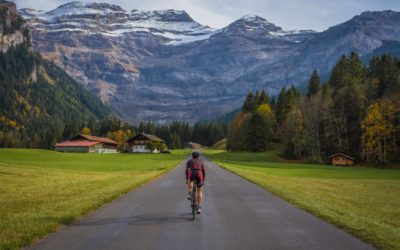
[(363, 201), (41, 190)]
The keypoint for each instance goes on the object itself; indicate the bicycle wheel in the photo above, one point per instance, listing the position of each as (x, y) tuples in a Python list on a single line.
[(194, 202)]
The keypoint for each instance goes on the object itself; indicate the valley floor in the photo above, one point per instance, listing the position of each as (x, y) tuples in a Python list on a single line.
[(363, 201), (42, 190)]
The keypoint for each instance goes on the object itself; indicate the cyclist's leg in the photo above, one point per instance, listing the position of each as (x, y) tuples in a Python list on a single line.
[(200, 196), (190, 185), (199, 184)]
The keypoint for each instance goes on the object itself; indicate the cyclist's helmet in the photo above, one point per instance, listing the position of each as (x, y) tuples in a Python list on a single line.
[(196, 154)]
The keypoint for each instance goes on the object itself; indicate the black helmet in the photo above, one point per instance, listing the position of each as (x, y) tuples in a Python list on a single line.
[(196, 154)]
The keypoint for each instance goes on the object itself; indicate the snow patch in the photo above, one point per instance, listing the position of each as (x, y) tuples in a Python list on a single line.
[(174, 25)]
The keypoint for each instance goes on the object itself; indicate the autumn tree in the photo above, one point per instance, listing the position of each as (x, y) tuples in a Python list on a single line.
[(86, 131), (237, 132), (379, 130)]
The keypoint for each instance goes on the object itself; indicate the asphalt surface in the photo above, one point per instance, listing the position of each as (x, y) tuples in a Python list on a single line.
[(236, 215)]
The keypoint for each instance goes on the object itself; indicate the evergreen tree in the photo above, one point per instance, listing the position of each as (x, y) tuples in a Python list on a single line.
[(313, 84), (249, 104), (257, 137), (263, 98)]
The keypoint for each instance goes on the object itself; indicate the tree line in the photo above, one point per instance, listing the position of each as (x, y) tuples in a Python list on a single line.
[(176, 134), (356, 111)]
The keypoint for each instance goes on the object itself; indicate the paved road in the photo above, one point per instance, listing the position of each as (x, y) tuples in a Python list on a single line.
[(236, 215)]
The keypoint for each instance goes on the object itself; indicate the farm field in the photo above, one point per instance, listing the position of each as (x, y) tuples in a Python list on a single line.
[(362, 201), (42, 190)]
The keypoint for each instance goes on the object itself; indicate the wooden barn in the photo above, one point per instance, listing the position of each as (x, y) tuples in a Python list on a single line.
[(193, 145), (87, 144), (341, 159), (145, 143)]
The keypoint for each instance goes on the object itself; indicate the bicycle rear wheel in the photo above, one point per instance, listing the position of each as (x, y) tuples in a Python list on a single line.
[(194, 202)]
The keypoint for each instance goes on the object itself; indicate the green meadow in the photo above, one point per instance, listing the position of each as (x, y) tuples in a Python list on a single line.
[(363, 201), (41, 190)]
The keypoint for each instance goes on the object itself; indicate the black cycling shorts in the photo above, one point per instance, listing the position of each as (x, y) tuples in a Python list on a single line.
[(197, 177)]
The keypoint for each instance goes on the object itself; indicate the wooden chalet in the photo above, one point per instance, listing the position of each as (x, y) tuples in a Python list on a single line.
[(341, 159), (87, 144), (141, 142)]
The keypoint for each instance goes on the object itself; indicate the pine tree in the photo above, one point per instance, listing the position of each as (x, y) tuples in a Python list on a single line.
[(263, 99), (257, 137), (249, 104), (313, 84)]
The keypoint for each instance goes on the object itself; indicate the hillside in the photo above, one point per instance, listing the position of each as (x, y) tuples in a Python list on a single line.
[(163, 65), (39, 102)]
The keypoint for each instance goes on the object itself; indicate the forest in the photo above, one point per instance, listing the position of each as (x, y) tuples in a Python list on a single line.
[(41, 105), (39, 102), (356, 111)]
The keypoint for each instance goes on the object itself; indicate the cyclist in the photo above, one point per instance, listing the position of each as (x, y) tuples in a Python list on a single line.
[(195, 173)]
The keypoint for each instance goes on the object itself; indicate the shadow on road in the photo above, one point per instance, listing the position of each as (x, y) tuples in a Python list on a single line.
[(147, 219)]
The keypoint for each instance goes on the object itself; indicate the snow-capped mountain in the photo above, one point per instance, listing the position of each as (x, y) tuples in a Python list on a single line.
[(258, 27), (174, 26), (162, 65)]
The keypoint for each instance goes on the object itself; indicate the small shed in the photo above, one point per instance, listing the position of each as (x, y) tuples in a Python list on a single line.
[(341, 159), (193, 145), (145, 143), (87, 144)]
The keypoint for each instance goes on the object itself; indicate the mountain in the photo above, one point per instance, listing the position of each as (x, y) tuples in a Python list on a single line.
[(162, 65), (39, 102)]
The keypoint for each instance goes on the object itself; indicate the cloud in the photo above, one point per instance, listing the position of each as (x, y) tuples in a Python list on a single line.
[(290, 14)]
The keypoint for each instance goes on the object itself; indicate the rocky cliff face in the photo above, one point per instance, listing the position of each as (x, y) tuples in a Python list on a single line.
[(162, 65), (11, 26)]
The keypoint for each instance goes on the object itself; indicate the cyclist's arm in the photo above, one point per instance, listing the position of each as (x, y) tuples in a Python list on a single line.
[(187, 170)]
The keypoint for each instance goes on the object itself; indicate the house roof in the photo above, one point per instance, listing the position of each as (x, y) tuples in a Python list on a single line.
[(94, 139), (76, 144), (147, 136), (341, 154)]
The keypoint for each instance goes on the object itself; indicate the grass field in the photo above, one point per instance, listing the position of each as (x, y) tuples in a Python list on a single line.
[(363, 201), (42, 190)]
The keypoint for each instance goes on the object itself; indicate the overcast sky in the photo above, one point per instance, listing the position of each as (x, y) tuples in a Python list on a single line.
[(289, 14)]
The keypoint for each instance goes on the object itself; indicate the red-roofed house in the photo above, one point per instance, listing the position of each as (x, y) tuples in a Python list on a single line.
[(87, 144)]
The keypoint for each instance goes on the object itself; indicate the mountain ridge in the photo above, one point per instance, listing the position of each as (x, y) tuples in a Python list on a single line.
[(166, 66), (39, 102)]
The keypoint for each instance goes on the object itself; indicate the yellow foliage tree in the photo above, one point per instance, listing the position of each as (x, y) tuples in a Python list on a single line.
[(265, 110), (378, 132), (237, 131), (86, 131), (118, 135)]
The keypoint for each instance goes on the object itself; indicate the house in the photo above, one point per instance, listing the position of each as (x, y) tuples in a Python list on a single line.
[(146, 143), (87, 144), (192, 145), (341, 159)]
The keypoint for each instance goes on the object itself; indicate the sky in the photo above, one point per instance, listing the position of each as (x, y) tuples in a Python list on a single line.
[(289, 14)]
